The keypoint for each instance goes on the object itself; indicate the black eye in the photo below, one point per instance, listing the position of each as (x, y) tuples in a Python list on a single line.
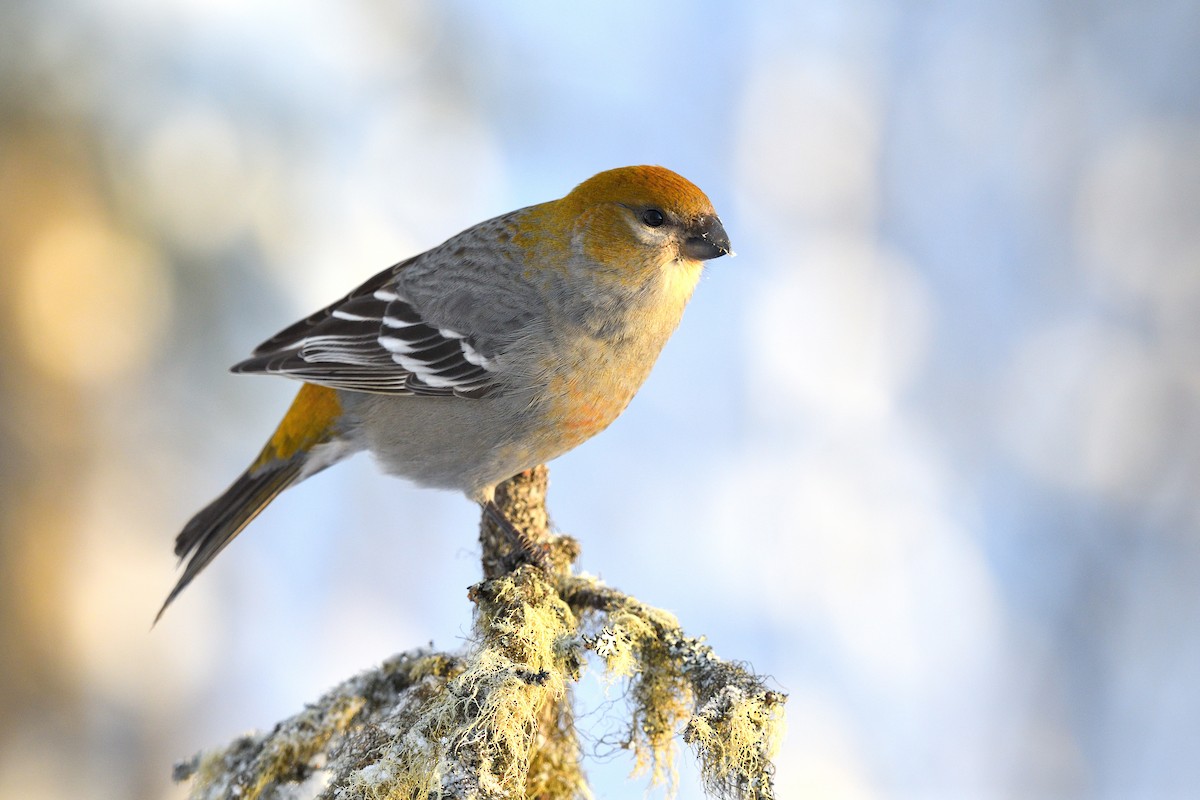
[(653, 217)]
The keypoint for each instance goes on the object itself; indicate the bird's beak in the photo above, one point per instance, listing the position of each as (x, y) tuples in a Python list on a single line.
[(706, 239)]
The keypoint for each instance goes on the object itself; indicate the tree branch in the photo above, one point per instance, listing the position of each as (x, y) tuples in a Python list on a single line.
[(496, 721)]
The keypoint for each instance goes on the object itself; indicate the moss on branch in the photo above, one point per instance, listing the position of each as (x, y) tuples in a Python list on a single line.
[(496, 721)]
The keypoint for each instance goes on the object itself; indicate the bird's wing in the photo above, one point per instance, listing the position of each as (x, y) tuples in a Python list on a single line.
[(377, 340)]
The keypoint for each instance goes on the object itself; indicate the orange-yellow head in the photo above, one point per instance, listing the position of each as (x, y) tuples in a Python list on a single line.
[(646, 213), (626, 225)]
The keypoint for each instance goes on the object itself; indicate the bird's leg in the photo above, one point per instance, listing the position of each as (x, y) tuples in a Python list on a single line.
[(534, 552)]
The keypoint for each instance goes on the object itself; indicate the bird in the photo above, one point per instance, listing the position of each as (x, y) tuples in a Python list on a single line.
[(502, 348)]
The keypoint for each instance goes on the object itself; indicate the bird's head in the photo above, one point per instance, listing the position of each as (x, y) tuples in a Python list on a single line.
[(645, 216)]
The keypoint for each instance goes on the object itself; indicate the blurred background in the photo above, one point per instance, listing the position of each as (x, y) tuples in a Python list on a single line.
[(925, 451)]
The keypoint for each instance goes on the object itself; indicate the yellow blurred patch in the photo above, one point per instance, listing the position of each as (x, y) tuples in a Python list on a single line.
[(91, 303)]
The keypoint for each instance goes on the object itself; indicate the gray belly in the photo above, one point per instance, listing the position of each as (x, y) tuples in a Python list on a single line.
[(444, 442)]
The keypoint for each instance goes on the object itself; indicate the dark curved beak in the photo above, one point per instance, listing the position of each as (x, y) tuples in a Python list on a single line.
[(706, 239)]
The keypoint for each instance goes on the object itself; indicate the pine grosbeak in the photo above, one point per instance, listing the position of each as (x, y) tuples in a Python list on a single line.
[(502, 348)]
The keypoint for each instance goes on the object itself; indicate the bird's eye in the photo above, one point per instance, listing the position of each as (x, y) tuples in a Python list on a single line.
[(653, 217)]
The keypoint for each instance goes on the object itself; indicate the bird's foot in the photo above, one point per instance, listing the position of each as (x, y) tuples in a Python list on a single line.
[(532, 551)]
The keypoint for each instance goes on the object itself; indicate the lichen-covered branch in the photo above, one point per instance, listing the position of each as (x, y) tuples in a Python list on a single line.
[(496, 721), (734, 721)]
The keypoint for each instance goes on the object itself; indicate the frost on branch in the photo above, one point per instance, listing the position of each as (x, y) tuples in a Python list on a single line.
[(496, 720)]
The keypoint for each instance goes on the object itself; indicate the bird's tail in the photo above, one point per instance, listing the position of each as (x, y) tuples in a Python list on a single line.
[(293, 454)]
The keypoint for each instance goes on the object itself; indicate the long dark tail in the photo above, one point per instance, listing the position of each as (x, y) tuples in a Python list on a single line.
[(288, 458), (224, 518)]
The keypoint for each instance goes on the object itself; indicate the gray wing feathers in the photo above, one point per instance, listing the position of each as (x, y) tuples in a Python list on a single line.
[(432, 325)]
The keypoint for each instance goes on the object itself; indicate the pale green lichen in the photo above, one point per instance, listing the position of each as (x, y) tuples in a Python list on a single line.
[(735, 735), (734, 723), (660, 698), (484, 727), (496, 722), (265, 765)]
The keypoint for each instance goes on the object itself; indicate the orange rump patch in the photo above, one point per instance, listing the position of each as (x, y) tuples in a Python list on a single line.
[(309, 422)]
